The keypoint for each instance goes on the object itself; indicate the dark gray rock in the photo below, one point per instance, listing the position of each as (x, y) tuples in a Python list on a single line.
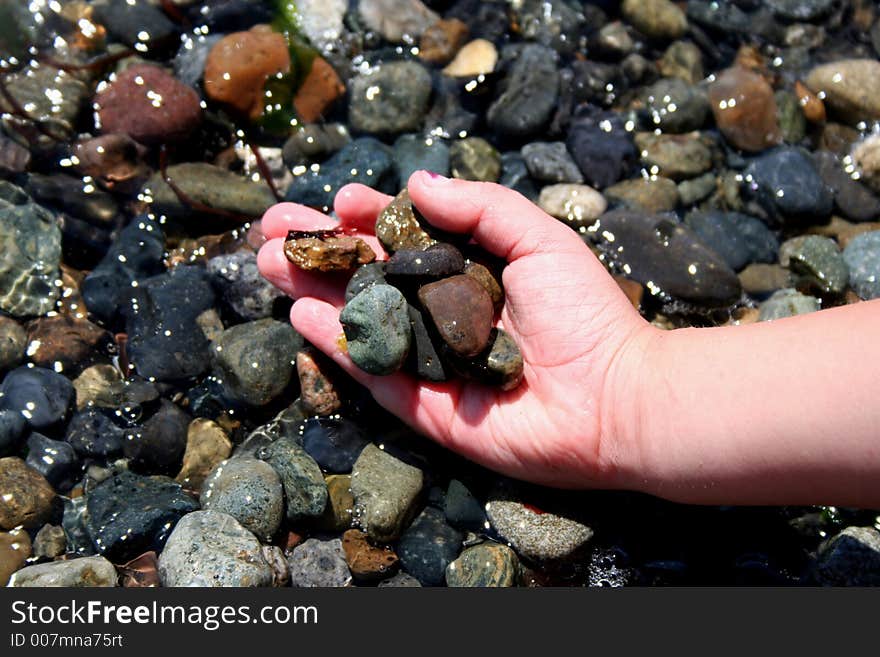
[(819, 259), (673, 105), (250, 491), (851, 558), (157, 447), (528, 95), (786, 184), (314, 142), (462, 509), (136, 23), (364, 277), (53, 459), (862, 256), (334, 442), (239, 283), (390, 99), (854, 200), (738, 238), (416, 153), (43, 397), (428, 546), (12, 431), (602, 147), (437, 261), (189, 63), (423, 354), (550, 162), (484, 565)]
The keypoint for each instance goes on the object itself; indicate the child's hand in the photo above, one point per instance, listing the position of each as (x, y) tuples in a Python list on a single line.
[(574, 421)]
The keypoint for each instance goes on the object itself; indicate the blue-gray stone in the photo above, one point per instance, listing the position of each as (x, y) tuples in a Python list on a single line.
[(428, 546), (43, 397), (390, 99), (550, 162), (301, 477), (416, 153), (364, 277), (376, 324), (529, 94), (787, 185), (250, 491), (54, 459), (862, 256), (12, 430), (787, 303), (189, 63), (334, 442), (738, 238)]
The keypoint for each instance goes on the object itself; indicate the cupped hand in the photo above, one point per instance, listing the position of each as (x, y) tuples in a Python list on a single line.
[(574, 421)]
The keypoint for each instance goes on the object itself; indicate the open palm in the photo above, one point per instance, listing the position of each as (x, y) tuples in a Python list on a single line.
[(570, 423)]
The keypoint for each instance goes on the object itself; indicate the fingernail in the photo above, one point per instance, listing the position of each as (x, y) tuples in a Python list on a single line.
[(435, 178)]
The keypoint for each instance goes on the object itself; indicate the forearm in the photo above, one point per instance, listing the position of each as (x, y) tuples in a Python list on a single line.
[(783, 412)]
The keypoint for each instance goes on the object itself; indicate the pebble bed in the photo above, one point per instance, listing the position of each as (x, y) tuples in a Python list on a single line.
[(162, 424)]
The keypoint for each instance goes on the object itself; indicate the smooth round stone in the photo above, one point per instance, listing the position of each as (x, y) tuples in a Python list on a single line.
[(674, 156), (12, 431), (862, 256), (474, 158), (462, 509), (208, 548), (576, 205), (655, 194), (256, 360), (78, 573), (54, 459), (539, 536), (761, 280), (550, 162), (428, 546), (317, 392), (738, 238), (851, 88), (364, 277), (530, 94), (304, 487), (376, 325), (242, 287), (128, 514), (602, 148), (390, 99), (676, 106), (317, 563), (334, 442), (436, 261), (484, 565), (157, 447), (657, 19), (682, 59), (851, 558), (477, 57), (851, 197), (553, 23), (439, 43), (43, 397), (28, 499), (818, 258), (15, 549), (314, 142), (340, 504), (462, 312), (13, 342), (787, 303), (93, 434), (386, 491), (417, 153), (366, 561), (786, 183), (745, 109), (398, 227), (206, 446), (248, 490)]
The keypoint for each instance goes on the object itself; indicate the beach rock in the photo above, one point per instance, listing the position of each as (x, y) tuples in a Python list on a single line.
[(390, 99), (377, 330), (207, 445), (136, 23), (314, 142), (654, 194), (854, 200), (416, 153), (786, 184), (474, 158), (15, 549), (256, 360), (423, 355), (738, 238), (54, 459), (675, 106), (334, 442), (14, 158), (761, 280), (851, 558), (602, 148), (13, 342), (43, 397), (439, 43), (462, 312), (674, 156), (367, 561), (850, 88), (50, 542), (745, 109), (787, 303), (364, 277), (669, 257), (238, 282), (484, 565), (318, 394), (500, 364), (12, 431), (515, 175), (30, 244), (790, 116), (428, 546), (328, 253), (304, 487), (340, 504), (386, 491), (239, 64), (189, 62), (73, 196), (657, 19), (157, 447), (817, 258), (368, 158), (66, 344), (208, 185), (400, 580), (397, 20), (128, 514), (576, 205), (317, 563), (28, 499), (550, 162), (436, 261), (487, 281), (208, 548), (317, 93), (250, 491), (475, 58), (92, 433), (321, 21), (682, 59), (462, 509), (399, 227), (555, 23), (79, 573), (529, 94), (862, 256), (149, 105), (800, 10)]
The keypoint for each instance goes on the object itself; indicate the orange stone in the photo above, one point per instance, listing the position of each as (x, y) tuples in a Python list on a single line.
[(318, 91), (811, 104), (239, 65), (745, 109)]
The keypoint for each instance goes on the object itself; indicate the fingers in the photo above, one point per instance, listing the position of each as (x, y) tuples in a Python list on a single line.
[(502, 221), (284, 217), (295, 282), (358, 206)]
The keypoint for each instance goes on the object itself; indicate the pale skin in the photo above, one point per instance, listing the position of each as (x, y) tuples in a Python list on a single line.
[(780, 412)]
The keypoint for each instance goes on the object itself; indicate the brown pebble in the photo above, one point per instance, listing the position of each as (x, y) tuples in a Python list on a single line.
[(484, 277), (331, 253), (340, 504), (442, 40), (632, 289), (206, 445), (27, 498), (141, 572), (318, 394), (745, 109), (811, 104), (398, 227), (66, 344), (113, 160), (462, 312), (317, 93), (15, 548), (367, 561)]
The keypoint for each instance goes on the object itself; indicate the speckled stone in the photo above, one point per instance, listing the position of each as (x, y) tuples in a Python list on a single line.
[(27, 496), (504, 362), (428, 546), (206, 446), (318, 394), (462, 311), (304, 486), (674, 156), (787, 303), (484, 565), (367, 561), (819, 259), (376, 325), (250, 491), (326, 254), (81, 572), (576, 205), (317, 563), (474, 158), (862, 256), (398, 227), (851, 558)]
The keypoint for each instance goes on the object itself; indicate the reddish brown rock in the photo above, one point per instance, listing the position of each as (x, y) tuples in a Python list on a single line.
[(321, 88), (484, 277), (316, 389), (27, 498), (367, 561), (745, 109), (66, 343), (149, 105), (632, 289), (462, 312), (327, 253), (442, 40), (140, 572), (113, 160), (811, 104), (239, 65)]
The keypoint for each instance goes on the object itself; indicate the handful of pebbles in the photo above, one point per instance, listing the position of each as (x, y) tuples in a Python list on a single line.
[(427, 310)]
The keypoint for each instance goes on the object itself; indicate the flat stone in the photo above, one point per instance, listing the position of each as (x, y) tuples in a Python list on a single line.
[(436, 261), (398, 227), (484, 565), (66, 344), (304, 487), (530, 91), (327, 254), (377, 330), (366, 561), (674, 156), (206, 446), (317, 563), (250, 491), (738, 238), (462, 312), (28, 499), (81, 572), (550, 162)]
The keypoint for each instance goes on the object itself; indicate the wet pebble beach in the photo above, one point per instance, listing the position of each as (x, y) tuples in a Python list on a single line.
[(163, 424)]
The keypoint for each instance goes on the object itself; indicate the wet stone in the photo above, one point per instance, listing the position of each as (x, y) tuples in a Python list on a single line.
[(528, 95), (790, 115), (12, 431), (340, 504), (676, 106), (28, 499), (15, 549), (674, 156), (189, 62), (43, 397), (206, 446), (436, 261), (682, 59), (13, 342), (304, 487), (862, 256), (365, 277), (317, 93), (760, 280), (787, 303), (157, 447), (440, 42), (484, 565), (334, 442), (377, 329), (657, 19), (850, 87), (79, 573), (397, 20), (250, 491), (317, 563), (474, 158), (54, 459), (50, 542), (136, 23), (501, 364), (426, 361), (416, 153), (400, 580), (391, 99), (602, 148), (696, 189), (655, 194), (745, 109), (515, 175), (208, 548), (462, 509), (327, 253), (428, 546), (72, 196), (576, 205), (475, 58), (398, 226), (487, 280), (314, 142), (92, 433), (321, 20), (817, 258), (851, 558), (66, 344), (462, 312), (318, 394), (854, 200), (239, 283), (367, 561), (550, 162), (385, 490), (129, 514), (738, 238)]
